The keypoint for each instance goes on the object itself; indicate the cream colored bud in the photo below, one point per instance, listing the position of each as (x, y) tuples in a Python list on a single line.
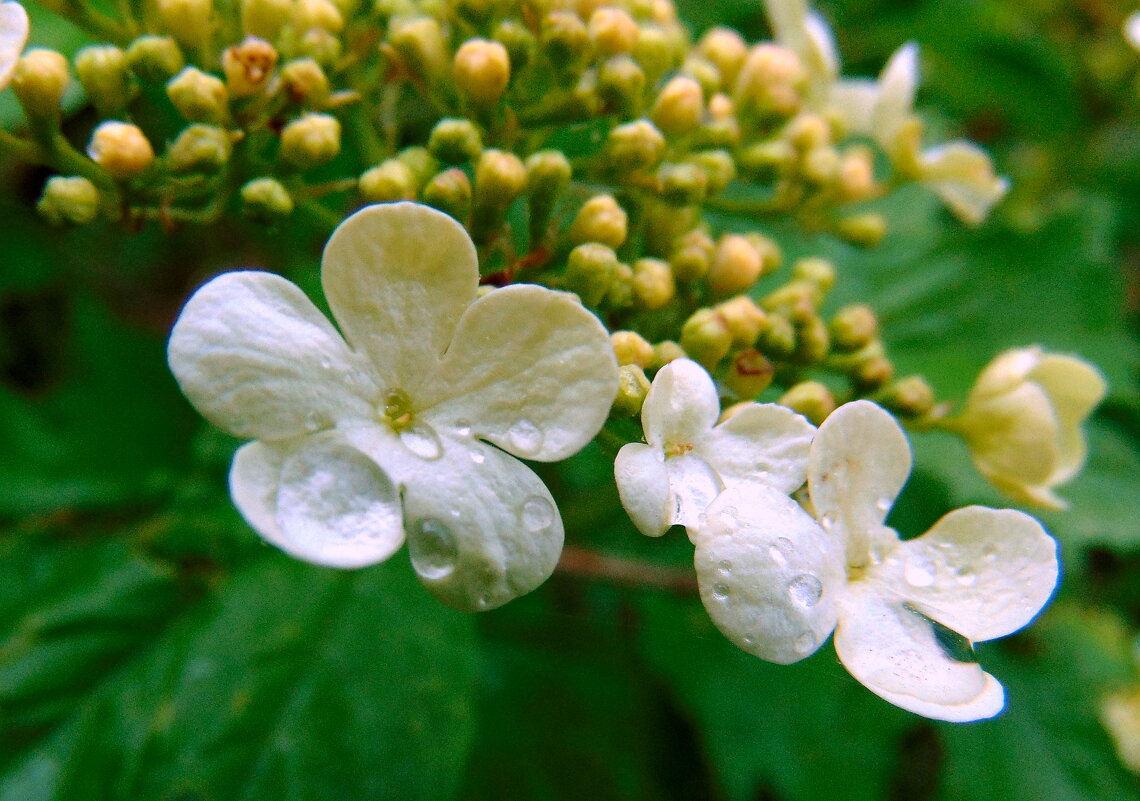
[(265, 18), (666, 351), (323, 14), (600, 219), (188, 21), (306, 82), (565, 39), (726, 49), (620, 294), (815, 270), (248, 66), (682, 184), (621, 85), (633, 387), (771, 257), (678, 107), (862, 230), (420, 161), (482, 70), (500, 177), (103, 71), (856, 176), (388, 181), (631, 347), (39, 81), (706, 338), (266, 200), (704, 73), (911, 396), (69, 201), (635, 146), (421, 44), (613, 31), (749, 373), (653, 285), (201, 148), (455, 141), (121, 149), (735, 265), (811, 399), (310, 141), (718, 166), (450, 192), (853, 327), (656, 52), (820, 165), (199, 96), (745, 320), (807, 132), (692, 254), (769, 80), (590, 271)]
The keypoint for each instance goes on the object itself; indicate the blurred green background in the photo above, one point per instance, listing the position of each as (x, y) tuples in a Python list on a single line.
[(152, 648)]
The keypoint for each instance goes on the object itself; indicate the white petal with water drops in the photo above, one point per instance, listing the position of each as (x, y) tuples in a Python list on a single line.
[(643, 485), (13, 36)]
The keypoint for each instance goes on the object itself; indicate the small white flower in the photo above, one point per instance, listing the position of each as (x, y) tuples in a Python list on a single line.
[(357, 442), (1132, 29), (689, 459), (14, 31), (776, 582)]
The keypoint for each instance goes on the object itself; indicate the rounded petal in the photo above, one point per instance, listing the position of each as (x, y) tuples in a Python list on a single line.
[(898, 84), (397, 277), (682, 405), (643, 485), (530, 369), (482, 527), (255, 475), (1014, 437), (982, 572), (692, 486), (962, 176), (761, 442), (859, 461), (257, 359), (14, 29), (895, 653), (1075, 388), (769, 577)]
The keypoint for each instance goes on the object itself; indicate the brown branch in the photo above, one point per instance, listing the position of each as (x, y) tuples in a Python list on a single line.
[(590, 565)]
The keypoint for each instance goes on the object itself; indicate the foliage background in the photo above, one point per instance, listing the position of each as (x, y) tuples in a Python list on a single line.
[(152, 648)]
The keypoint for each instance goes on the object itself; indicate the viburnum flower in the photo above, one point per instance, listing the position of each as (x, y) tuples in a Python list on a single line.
[(14, 31), (689, 459), (777, 582), (402, 427), (1023, 420)]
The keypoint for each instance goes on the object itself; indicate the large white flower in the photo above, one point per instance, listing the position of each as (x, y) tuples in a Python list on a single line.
[(689, 459), (776, 582), (14, 31), (403, 427)]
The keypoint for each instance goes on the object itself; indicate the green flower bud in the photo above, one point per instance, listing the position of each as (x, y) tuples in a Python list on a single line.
[(547, 175), (769, 82), (39, 81), (656, 52), (590, 271), (613, 31), (421, 44), (665, 352), (706, 338), (662, 224), (265, 18), (815, 270), (862, 230), (704, 73), (853, 327), (812, 340), (320, 45), (198, 96), (653, 285), (248, 66), (868, 367), (745, 320), (155, 58), (735, 265), (310, 141), (749, 373), (518, 40), (474, 10), (102, 69), (188, 21), (69, 201), (635, 146), (820, 165), (306, 82), (765, 160), (911, 396), (679, 106), (120, 148), (455, 141), (482, 70), (797, 299), (807, 132), (450, 192), (620, 294), (602, 220), (389, 181), (811, 399), (726, 49), (422, 163), (771, 257), (565, 40), (633, 387), (778, 338), (322, 14), (621, 85), (718, 166), (500, 177), (692, 255), (202, 148), (266, 200), (682, 184)]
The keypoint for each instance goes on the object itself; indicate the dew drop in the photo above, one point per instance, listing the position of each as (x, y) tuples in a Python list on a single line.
[(720, 592), (748, 639), (525, 436), (433, 548), (326, 364), (966, 577), (827, 521), (314, 421), (478, 457), (537, 514), (463, 428), (724, 567), (421, 440), (805, 590), (918, 574), (989, 553), (483, 602), (883, 504), (780, 550)]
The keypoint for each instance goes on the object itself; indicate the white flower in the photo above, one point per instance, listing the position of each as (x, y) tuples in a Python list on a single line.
[(776, 582), (1132, 29), (13, 36), (395, 430), (689, 459)]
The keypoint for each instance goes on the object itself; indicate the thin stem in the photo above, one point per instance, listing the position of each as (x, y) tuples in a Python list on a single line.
[(585, 564)]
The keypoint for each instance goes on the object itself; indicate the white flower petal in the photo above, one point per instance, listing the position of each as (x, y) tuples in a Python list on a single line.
[(14, 29), (1074, 388), (1014, 437), (898, 84), (788, 19), (770, 578), (854, 101), (1132, 29), (984, 573), (761, 442), (530, 369), (482, 527), (255, 476), (962, 175), (894, 652), (821, 55), (859, 461), (643, 485), (397, 277), (257, 359), (682, 405), (693, 485)]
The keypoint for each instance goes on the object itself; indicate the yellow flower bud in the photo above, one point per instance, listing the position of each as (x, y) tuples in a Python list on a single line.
[(1023, 421), (201, 148), (121, 149), (706, 337), (188, 21), (771, 257), (613, 31), (39, 81), (812, 340), (910, 396), (69, 201), (726, 49), (310, 141), (455, 141), (862, 230), (749, 373), (306, 82), (621, 85), (820, 165), (633, 386), (388, 181), (692, 254), (765, 160), (320, 45), (769, 80), (665, 352), (856, 176), (811, 399), (102, 69), (450, 192), (745, 320), (718, 167), (682, 184), (653, 285), (853, 327), (266, 200), (199, 96), (656, 52), (600, 219), (155, 58), (265, 18), (500, 177), (518, 40), (309, 14), (620, 294), (248, 66), (482, 70), (678, 107), (635, 146), (815, 270), (421, 44), (735, 265), (590, 271), (807, 131), (704, 73), (565, 39), (420, 161), (778, 337), (631, 347)]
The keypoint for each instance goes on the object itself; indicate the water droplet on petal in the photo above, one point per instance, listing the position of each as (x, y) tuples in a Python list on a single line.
[(326, 364), (780, 550), (537, 514), (748, 639), (989, 553), (724, 567), (421, 440), (525, 436), (966, 577), (478, 457), (720, 592), (805, 590), (314, 421), (883, 504), (827, 521), (463, 428), (918, 574), (433, 548)]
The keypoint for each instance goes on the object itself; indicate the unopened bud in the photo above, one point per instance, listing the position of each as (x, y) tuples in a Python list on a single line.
[(682, 184), (590, 270), (421, 162), (199, 96), (266, 200), (450, 192), (706, 338), (653, 285), (631, 347), (200, 148), (656, 52), (69, 201), (121, 149), (248, 66), (820, 165), (482, 70), (102, 69), (613, 31), (322, 14), (692, 254), (320, 45), (678, 107), (547, 175), (500, 177), (620, 294), (811, 399), (188, 21), (815, 270), (635, 146), (155, 58), (797, 299), (388, 181), (873, 373), (633, 387), (771, 257), (735, 265), (718, 166), (910, 396), (600, 219), (662, 224), (807, 132), (666, 351), (768, 82), (518, 40), (856, 176), (621, 85), (421, 44), (749, 373), (863, 230), (306, 82), (718, 132), (745, 320), (812, 340), (765, 160), (853, 327), (265, 18), (39, 81), (726, 49), (310, 141), (565, 39), (778, 338), (455, 141)]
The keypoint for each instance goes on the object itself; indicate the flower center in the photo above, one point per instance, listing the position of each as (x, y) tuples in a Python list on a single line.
[(677, 449), (397, 410)]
